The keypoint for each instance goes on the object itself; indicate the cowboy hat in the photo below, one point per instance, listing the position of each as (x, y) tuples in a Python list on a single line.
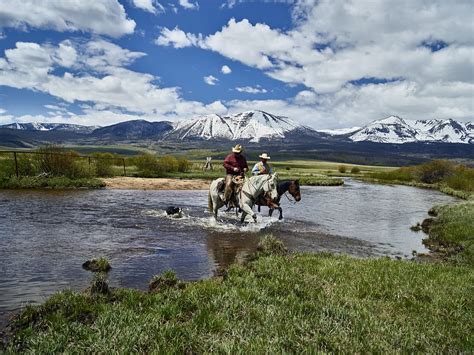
[(237, 149), (264, 156)]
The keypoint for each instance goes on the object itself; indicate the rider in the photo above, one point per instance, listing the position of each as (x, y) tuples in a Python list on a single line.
[(235, 164), (262, 167)]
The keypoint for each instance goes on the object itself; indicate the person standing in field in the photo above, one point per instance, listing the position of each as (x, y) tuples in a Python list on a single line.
[(235, 164), (262, 167)]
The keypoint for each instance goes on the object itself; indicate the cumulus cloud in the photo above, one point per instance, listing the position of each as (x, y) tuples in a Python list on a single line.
[(189, 5), (361, 62), (176, 38), (105, 17), (251, 90), (94, 72), (152, 6), (226, 70), (210, 80)]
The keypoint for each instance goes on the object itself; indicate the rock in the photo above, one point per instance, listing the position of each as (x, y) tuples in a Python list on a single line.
[(433, 211), (416, 227)]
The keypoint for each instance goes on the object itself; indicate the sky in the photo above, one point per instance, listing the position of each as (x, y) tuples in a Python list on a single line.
[(326, 64)]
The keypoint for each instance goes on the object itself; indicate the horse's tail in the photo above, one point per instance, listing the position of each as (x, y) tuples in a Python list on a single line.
[(210, 205)]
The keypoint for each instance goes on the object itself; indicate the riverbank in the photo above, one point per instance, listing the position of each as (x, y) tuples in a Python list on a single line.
[(275, 302), (135, 183), (50, 183)]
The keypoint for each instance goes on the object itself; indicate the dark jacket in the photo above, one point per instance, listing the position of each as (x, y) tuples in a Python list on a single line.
[(235, 161)]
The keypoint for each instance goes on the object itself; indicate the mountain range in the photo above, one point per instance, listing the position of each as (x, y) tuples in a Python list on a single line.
[(258, 126), (397, 130)]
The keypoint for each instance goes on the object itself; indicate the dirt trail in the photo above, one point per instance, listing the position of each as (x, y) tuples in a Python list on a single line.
[(134, 183)]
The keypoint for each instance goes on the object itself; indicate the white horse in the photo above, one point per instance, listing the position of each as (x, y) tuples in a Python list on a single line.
[(252, 188)]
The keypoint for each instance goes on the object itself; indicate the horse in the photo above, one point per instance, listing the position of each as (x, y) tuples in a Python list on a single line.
[(291, 186), (214, 197), (251, 189)]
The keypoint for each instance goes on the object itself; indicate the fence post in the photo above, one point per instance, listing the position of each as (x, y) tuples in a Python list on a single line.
[(16, 165), (124, 170)]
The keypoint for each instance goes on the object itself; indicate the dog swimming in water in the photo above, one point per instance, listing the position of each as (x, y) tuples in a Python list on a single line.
[(175, 212)]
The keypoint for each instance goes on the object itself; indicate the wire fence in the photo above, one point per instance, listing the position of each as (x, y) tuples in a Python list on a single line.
[(37, 163)]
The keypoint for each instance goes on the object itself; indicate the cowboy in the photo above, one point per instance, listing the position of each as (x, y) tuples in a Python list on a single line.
[(235, 164), (262, 167)]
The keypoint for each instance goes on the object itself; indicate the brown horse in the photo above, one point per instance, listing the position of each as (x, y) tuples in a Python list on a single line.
[(291, 186)]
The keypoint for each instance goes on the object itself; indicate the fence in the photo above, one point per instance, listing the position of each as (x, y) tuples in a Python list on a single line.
[(15, 155)]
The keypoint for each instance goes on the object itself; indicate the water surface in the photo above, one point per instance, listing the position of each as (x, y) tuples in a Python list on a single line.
[(45, 236)]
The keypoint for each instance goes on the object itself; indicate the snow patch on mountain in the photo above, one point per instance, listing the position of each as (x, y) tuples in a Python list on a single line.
[(339, 131)]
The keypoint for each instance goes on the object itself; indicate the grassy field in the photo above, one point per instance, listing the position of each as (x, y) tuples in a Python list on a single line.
[(274, 303)]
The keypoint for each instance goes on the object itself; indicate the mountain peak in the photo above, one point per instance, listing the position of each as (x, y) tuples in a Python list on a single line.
[(252, 125)]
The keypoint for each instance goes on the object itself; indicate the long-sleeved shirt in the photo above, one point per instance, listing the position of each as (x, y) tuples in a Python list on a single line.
[(261, 168), (235, 161)]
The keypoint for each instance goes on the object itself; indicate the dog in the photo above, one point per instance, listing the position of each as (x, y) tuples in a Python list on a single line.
[(174, 212)]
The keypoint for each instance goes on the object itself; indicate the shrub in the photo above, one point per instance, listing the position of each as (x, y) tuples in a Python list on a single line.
[(461, 179), (168, 164), (57, 161), (355, 170), (342, 169), (401, 174), (435, 171), (104, 164), (183, 165), (147, 165)]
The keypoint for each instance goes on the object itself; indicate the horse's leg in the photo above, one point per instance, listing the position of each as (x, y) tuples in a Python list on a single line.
[(270, 211), (242, 218), (281, 213), (259, 208)]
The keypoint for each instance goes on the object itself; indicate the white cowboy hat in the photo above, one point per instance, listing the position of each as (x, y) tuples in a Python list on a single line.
[(237, 148), (264, 156)]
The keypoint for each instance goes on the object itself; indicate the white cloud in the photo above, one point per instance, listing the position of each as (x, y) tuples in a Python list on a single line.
[(210, 80), (189, 5), (152, 6), (383, 46), (106, 17), (226, 70), (251, 90), (176, 38), (98, 74)]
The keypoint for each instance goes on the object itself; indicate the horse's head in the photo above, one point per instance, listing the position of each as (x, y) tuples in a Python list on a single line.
[(270, 188), (294, 190)]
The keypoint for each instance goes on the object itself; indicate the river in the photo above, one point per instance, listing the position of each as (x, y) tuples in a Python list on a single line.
[(45, 236)]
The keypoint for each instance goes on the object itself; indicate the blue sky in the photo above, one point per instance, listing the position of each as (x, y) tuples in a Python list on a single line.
[(327, 64)]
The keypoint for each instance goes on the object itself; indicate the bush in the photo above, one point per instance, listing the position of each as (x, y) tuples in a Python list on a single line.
[(104, 164), (435, 171), (183, 165), (57, 161), (342, 169), (168, 164), (462, 179), (355, 170), (147, 165)]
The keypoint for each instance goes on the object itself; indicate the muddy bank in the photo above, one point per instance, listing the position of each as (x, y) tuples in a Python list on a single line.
[(135, 183)]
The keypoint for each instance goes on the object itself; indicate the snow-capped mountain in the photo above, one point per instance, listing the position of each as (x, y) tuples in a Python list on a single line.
[(251, 125), (394, 129), (37, 126)]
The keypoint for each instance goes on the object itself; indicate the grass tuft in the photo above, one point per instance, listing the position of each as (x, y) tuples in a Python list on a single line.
[(97, 265), (165, 281)]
